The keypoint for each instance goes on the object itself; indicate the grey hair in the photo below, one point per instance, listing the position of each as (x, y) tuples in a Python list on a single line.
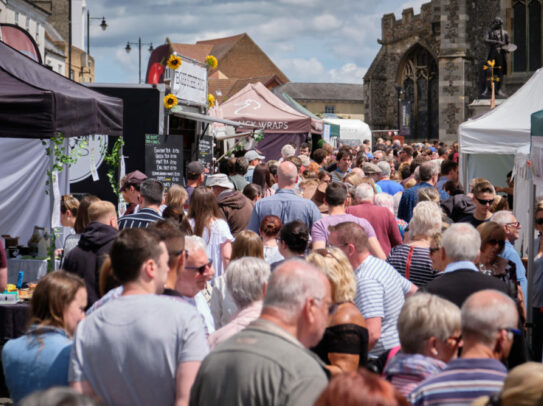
[(485, 312), (397, 197), (287, 151), (502, 217), (426, 219), (384, 200), (461, 242), (193, 242), (385, 168), (427, 170), (416, 173), (288, 290), (364, 192), (245, 280), (419, 320)]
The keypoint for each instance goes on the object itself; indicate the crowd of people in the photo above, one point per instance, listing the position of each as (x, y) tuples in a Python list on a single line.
[(346, 276)]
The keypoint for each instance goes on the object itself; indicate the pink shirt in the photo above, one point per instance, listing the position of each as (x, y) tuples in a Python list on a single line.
[(238, 322)]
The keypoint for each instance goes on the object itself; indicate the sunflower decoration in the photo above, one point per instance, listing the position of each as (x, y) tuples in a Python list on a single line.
[(174, 62), (212, 62), (170, 101), (210, 100)]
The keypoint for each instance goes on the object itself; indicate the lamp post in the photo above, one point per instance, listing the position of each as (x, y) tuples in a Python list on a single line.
[(399, 90), (103, 26), (128, 48)]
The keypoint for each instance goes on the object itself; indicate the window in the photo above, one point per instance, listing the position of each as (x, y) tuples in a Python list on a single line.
[(527, 35), (16, 18), (330, 109)]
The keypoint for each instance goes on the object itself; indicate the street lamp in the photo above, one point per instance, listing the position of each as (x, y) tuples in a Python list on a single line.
[(399, 91), (103, 26), (128, 48)]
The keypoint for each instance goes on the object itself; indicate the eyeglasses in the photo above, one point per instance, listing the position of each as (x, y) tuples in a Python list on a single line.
[(433, 250), (512, 331), (200, 269), (331, 309), (539, 221), (177, 253), (515, 224), (484, 201), (455, 339)]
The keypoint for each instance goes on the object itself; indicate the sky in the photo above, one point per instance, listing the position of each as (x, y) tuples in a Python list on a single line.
[(309, 40)]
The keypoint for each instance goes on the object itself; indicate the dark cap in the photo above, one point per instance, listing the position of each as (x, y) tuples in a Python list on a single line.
[(132, 178), (195, 168)]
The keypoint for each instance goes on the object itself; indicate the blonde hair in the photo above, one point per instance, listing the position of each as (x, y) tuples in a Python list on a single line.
[(100, 209), (247, 244), (176, 196), (335, 265), (354, 179)]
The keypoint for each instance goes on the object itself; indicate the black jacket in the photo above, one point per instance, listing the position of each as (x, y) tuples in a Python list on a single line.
[(87, 258)]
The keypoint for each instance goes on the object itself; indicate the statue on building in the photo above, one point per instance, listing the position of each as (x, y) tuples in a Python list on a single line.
[(497, 40)]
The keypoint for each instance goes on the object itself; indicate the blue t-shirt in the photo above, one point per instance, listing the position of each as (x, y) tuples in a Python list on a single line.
[(389, 186), (31, 365)]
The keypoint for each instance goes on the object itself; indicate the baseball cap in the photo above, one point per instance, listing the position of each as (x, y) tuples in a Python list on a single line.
[(250, 155), (132, 178), (219, 179), (195, 168)]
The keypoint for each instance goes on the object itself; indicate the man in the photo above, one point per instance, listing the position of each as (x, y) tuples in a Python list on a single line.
[(240, 169), (195, 178), (381, 219), (387, 186), (427, 177), (512, 227), (489, 321), (449, 171), (459, 249), (344, 160), (373, 171), (381, 290), (483, 197), (268, 363), (320, 156), (254, 159), (284, 203), (151, 192), (305, 149), (406, 154), (335, 197), (235, 206), (141, 348), (96, 240), (130, 190)]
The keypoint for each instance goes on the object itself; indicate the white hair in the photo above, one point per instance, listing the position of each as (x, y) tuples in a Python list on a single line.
[(503, 217), (193, 243), (485, 312), (426, 219), (245, 280), (291, 284), (461, 242), (384, 200), (287, 151), (385, 168), (397, 198), (419, 320), (364, 192)]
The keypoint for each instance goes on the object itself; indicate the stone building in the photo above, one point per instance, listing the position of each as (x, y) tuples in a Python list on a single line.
[(429, 66)]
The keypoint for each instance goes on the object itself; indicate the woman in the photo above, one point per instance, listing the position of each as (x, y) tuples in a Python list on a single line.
[(222, 305), (386, 200), (270, 226), (438, 262), (81, 221), (176, 196), (253, 192), (412, 260), (68, 210), (206, 221), (344, 345), (354, 179), (429, 330), (39, 359), (263, 178)]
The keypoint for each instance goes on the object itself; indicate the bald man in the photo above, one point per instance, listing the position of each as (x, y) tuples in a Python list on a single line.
[(285, 204)]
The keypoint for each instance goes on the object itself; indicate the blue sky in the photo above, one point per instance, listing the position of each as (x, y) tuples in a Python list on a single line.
[(309, 40)]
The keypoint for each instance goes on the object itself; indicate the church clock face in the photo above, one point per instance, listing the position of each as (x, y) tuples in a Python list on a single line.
[(419, 81)]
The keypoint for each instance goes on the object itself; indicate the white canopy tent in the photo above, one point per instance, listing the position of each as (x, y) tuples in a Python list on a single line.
[(352, 132)]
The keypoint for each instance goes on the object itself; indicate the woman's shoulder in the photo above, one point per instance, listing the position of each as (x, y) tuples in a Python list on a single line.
[(347, 313)]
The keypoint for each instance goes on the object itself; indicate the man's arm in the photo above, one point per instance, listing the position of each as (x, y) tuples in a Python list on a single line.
[(412, 290), (185, 376), (374, 329), (254, 221), (375, 248)]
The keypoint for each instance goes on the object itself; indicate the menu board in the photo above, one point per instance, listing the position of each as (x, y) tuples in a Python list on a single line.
[(205, 152), (164, 158)]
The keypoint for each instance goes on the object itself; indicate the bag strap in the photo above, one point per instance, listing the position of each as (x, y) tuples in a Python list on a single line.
[(408, 263)]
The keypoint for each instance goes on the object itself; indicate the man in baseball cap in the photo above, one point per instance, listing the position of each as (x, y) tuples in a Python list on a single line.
[(130, 189), (254, 159), (195, 177)]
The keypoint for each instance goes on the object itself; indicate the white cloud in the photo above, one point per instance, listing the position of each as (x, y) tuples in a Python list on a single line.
[(326, 22), (348, 73), (312, 70)]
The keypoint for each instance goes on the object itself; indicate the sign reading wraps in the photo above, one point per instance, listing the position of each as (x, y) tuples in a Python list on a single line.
[(189, 82), (164, 158)]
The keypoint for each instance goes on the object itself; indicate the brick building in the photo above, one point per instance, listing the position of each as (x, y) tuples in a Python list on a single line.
[(429, 65)]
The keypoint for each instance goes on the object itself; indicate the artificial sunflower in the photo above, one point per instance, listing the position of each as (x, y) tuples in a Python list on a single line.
[(212, 62), (170, 101), (174, 62), (210, 100)]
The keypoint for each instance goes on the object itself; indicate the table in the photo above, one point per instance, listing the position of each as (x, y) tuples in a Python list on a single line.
[(13, 320), (34, 269)]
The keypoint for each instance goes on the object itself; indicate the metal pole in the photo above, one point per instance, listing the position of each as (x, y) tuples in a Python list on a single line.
[(70, 39), (88, 33), (139, 45)]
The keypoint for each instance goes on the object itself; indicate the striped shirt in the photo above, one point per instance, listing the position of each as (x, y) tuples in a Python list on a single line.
[(380, 292), (421, 269), (141, 219), (461, 382)]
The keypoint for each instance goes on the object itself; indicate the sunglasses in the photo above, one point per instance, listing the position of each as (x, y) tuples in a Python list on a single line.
[(484, 201), (539, 221), (200, 269)]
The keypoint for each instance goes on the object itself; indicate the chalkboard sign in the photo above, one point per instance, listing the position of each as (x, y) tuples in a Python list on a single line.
[(164, 158), (205, 152)]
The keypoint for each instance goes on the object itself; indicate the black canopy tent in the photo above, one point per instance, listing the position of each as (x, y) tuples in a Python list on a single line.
[(36, 102)]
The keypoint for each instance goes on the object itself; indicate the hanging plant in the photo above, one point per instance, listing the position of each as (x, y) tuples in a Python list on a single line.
[(212, 62), (174, 62), (61, 156), (210, 100), (170, 101), (113, 161)]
